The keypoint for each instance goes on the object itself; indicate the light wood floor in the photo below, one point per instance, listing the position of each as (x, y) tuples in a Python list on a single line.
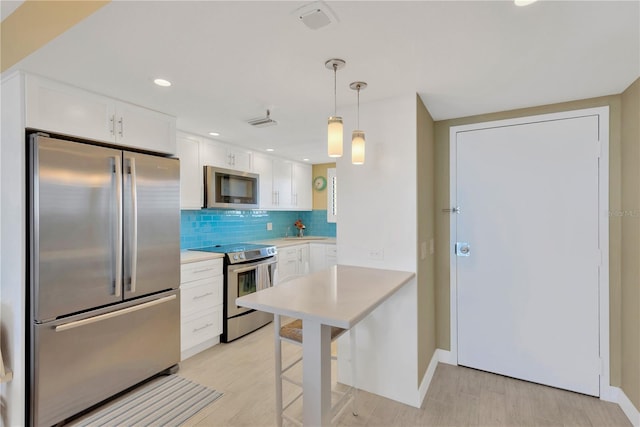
[(244, 372)]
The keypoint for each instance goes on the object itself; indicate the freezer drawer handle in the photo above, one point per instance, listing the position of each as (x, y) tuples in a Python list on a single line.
[(101, 317)]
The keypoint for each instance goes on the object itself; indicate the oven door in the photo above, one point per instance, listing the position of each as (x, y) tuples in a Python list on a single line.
[(245, 279)]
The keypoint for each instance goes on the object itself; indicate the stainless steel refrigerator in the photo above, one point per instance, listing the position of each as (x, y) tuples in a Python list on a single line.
[(104, 273)]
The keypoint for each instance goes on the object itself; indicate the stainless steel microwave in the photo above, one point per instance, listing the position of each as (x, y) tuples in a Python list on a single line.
[(230, 189)]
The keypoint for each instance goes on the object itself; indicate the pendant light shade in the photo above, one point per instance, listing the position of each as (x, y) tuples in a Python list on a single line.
[(335, 136), (357, 147), (357, 137), (334, 127)]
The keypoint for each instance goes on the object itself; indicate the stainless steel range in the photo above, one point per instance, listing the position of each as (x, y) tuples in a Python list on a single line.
[(248, 268)]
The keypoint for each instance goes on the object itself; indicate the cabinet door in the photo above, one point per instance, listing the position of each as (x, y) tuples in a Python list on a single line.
[(282, 171), (191, 179), (63, 109), (332, 256), (213, 154), (287, 262), (301, 183), (146, 129), (239, 159), (303, 259), (317, 257), (263, 166)]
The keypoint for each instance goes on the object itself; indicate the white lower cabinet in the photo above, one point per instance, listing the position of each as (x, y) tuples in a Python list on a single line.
[(321, 256), (293, 261), (201, 297)]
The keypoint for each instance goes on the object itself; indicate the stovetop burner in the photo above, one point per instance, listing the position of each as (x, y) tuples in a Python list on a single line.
[(242, 252)]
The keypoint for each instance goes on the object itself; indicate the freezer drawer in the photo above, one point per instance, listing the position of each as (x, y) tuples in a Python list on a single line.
[(86, 359)]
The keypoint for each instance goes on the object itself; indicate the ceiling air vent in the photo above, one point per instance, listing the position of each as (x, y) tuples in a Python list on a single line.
[(262, 122), (315, 15)]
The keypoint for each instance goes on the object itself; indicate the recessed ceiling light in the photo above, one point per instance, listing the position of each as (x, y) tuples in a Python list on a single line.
[(214, 134), (162, 82), (270, 149), (524, 2), (306, 160)]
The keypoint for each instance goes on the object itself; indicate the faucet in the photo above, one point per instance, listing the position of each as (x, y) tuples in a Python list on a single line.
[(300, 232)]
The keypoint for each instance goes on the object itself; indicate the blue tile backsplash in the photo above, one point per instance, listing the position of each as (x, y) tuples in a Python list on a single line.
[(208, 227)]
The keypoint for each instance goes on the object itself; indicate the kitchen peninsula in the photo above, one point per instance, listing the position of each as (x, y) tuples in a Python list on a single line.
[(340, 296)]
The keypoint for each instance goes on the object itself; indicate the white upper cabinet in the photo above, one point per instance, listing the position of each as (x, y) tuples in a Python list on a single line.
[(263, 166), (282, 170), (59, 108), (302, 198), (284, 185), (191, 174), (215, 153), (142, 128)]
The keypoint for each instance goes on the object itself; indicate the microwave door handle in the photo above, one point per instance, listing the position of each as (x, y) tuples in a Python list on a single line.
[(134, 228), (117, 287)]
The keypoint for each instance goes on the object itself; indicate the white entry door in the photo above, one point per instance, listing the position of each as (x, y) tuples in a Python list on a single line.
[(527, 264)]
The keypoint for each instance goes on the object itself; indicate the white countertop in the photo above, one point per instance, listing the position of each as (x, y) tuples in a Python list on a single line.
[(194, 256), (339, 296)]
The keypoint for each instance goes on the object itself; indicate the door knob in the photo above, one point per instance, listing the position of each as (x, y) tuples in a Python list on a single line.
[(462, 249)]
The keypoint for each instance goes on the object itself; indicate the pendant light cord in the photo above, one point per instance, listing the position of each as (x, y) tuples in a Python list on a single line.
[(335, 96), (358, 118)]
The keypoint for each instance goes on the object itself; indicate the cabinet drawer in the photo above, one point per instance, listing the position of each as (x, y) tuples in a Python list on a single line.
[(200, 295), (200, 327), (200, 270), (331, 251)]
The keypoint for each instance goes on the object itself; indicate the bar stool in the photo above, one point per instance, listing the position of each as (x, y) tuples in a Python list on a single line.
[(291, 332)]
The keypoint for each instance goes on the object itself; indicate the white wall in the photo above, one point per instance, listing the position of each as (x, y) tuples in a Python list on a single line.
[(12, 261), (12, 250), (377, 210)]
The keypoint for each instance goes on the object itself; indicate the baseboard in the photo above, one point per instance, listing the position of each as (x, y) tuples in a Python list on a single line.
[(616, 394), (439, 356), (192, 351), (445, 356)]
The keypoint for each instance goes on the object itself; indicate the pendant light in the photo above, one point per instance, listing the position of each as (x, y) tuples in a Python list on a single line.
[(357, 137), (334, 128)]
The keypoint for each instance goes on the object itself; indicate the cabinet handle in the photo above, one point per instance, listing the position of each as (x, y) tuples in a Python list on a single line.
[(197, 297), (202, 270), (121, 123), (208, 325), (112, 125)]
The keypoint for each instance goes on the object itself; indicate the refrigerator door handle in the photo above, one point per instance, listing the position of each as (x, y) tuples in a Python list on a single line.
[(134, 228), (118, 247), (94, 319)]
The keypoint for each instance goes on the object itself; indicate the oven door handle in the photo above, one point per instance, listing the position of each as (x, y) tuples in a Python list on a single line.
[(248, 267)]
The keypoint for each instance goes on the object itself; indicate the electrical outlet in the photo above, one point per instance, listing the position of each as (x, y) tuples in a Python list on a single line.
[(376, 254), (269, 226)]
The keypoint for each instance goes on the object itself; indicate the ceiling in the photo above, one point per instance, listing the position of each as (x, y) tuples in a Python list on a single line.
[(231, 60)]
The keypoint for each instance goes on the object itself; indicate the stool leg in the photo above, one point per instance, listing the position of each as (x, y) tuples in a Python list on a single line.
[(278, 358), (352, 341)]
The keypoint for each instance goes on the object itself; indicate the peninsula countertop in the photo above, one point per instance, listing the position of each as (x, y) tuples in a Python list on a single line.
[(339, 296)]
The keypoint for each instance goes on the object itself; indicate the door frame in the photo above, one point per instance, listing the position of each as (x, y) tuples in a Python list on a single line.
[(606, 393)]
